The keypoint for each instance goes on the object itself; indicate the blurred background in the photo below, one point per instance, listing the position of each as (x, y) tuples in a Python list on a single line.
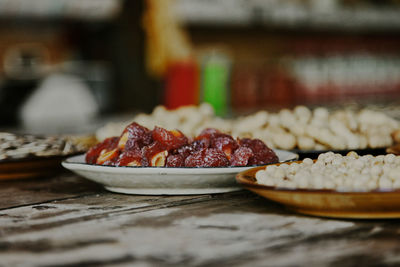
[(65, 63)]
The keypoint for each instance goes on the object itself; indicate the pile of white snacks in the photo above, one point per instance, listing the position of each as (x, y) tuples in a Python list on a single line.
[(300, 128), (336, 172)]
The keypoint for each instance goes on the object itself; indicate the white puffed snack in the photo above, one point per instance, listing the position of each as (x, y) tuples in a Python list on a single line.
[(300, 128), (336, 172)]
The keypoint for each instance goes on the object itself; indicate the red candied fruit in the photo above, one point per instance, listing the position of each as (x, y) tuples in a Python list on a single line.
[(200, 144), (94, 152), (130, 158), (197, 145), (208, 133), (262, 153), (241, 156), (138, 146), (148, 152), (209, 157), (175, 161), (170, 139), (108, 157), (225, 143), (138, 137)]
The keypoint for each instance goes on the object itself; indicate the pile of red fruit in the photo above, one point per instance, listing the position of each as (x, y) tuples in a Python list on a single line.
[(138, 146)]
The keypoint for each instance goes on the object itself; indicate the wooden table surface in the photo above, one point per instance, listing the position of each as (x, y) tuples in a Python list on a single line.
[(66, 220)]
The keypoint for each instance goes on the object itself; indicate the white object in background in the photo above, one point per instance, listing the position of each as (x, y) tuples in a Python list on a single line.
[(61, 102)]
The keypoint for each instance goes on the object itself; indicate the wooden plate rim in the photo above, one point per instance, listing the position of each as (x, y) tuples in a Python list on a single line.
[(248, 180)]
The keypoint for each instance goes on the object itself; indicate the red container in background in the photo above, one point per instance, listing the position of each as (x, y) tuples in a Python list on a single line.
[(245, 87), (182, 84), (277, 88)]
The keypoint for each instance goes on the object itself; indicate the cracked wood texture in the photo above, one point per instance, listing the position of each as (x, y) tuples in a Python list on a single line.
[(66, 220)]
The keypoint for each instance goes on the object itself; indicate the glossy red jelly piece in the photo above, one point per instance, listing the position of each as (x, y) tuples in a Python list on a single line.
[(138, 136), (241, 156), (209, 157), (226, 144), (197, 145), (148, 152), (112, 158), (130, 158), (175, 161), (94, 152), (262, 153), (170, 139), (208, 133)]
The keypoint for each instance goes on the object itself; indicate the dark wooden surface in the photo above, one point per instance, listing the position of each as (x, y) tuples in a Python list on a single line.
[(68, 221)]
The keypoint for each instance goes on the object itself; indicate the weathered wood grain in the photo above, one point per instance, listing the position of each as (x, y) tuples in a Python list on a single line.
[(234, 229), (38, 190), (86, 208)]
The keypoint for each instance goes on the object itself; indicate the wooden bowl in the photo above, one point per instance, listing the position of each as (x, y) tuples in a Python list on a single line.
[(327, 203), (30, 168)]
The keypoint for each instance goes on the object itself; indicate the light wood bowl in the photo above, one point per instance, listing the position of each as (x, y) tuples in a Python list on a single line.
[(327, 203)]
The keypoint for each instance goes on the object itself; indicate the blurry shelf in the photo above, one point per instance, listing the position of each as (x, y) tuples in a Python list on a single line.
[(88, 10), (327, 15)]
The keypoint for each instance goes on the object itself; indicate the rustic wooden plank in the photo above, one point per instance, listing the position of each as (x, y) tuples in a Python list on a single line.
[(233, 229), (85, 208), (37, 190)]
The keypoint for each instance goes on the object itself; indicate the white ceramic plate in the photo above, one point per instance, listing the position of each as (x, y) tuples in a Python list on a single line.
[(162, 180)]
